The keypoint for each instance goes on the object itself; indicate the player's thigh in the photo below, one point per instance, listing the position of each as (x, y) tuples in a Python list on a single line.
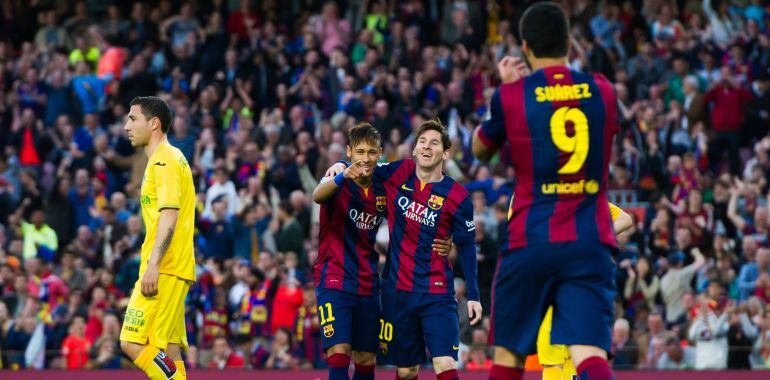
[(335, 313), (441, 325), (140, 314), (583, 312), (521, 294), (179, 295), (168, 323), (547, 353), (401, 342), (368, 324)]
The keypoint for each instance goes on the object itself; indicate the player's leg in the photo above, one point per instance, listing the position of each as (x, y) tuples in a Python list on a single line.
[(178, 339), (569, 372), (335, 311), (441, 325), (522, 283), (584, 310), (402, 343), (551, 357), (144, 334), (367, 327)]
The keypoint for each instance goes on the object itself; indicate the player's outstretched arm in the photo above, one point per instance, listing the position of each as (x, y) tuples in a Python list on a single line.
[(163, 237), (329, 185), (621, 221)]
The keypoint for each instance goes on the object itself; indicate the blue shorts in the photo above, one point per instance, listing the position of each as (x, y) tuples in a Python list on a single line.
[(577, 278), (412, 321), (348, 318)]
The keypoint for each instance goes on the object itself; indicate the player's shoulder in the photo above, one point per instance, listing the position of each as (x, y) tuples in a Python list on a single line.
[(169, 155), (457, 191)]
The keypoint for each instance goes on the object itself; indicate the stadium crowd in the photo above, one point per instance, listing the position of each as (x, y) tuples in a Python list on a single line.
[(263, 92)]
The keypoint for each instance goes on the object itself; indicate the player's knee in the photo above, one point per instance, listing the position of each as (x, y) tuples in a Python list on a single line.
[(132, 350), (408, 372), (580, 353), (338, 349), (444, 363), (364, 358), (507, 358)]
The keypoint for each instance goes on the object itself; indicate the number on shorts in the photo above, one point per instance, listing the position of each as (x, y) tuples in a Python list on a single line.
[(576, 144), (386, 331), (326, 316)]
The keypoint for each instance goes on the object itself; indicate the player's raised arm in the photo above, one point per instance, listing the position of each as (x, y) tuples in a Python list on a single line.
[(329, 185)]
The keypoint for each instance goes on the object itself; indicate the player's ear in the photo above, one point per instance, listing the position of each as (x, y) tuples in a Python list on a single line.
[(349, 151)]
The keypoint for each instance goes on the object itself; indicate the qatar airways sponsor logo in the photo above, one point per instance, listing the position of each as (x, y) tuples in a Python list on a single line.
[(417, 212), (364, 220)]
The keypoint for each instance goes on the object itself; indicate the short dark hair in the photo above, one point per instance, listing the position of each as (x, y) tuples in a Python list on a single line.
[(153, 106), (545, 28), (364, 132), (435, 125)]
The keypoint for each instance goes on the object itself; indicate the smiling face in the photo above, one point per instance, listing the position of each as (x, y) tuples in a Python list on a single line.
[(429, 150), (139, 128), (367, 153)]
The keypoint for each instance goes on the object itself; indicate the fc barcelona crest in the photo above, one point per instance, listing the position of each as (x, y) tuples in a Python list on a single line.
[(384, 348), (328, 331), (380, 203), (435, 202)]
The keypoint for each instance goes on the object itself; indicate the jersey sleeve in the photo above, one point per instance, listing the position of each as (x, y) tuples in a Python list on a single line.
[(463, 226), (168, 181), (386, 172), (615, 212), (492, 132)]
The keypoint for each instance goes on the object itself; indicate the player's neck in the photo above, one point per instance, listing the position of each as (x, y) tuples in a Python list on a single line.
[(363, 182), (542, 63), (152, 146), (429, 175)]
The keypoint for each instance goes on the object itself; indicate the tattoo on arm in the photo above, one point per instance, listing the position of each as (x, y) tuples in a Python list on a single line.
[(166, 243)]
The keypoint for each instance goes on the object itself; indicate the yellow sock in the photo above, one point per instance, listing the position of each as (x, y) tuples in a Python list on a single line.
[(569, 372), (181, 372), (156, 364), (551, 373)]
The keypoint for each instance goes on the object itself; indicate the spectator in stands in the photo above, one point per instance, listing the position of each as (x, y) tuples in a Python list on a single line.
[(76, 347), (224, 356), (754, 271), (676, 282)]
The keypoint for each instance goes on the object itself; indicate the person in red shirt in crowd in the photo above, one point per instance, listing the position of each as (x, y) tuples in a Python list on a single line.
[(96, 313), (308, 328), (242, 21), (727, 100), (215, 319), (224, 356), (286, 304), (75, 347)]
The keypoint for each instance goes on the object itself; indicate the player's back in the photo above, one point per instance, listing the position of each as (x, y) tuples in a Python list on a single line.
[(560, 124), (348, 225)]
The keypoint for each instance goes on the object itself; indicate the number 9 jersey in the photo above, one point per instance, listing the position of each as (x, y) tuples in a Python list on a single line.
[(559, 125)]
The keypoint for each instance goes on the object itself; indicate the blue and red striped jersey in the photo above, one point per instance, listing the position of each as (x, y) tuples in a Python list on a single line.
[(416, 216), (559, 125), (348, 226)]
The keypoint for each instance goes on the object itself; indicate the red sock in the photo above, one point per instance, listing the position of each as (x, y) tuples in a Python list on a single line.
[(338, 366), (363, 372), (448, 375), (498, 372), (595, 368)]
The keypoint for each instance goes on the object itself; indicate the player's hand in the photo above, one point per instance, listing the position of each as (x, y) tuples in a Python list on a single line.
[(150, 281), (474, 312), (354, 171), (442, 246), (335, 169), (512, 69)]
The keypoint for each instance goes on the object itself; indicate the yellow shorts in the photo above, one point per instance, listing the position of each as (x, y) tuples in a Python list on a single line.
[(159, 319), (547, 353)]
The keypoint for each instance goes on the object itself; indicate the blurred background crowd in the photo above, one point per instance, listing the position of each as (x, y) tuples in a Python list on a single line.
[(263, 92)]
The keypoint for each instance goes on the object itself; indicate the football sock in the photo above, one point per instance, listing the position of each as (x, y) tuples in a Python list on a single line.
[(552, 372), (156, 364), (363, 372), (448, 375), (339, 364), (181, 371), (595, 368), (569, 372)]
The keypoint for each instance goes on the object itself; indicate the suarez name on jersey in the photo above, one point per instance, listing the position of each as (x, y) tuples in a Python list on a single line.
[(348, 226), (559, 125)]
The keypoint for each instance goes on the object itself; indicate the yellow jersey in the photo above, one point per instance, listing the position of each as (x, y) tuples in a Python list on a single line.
[(168, 183)]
